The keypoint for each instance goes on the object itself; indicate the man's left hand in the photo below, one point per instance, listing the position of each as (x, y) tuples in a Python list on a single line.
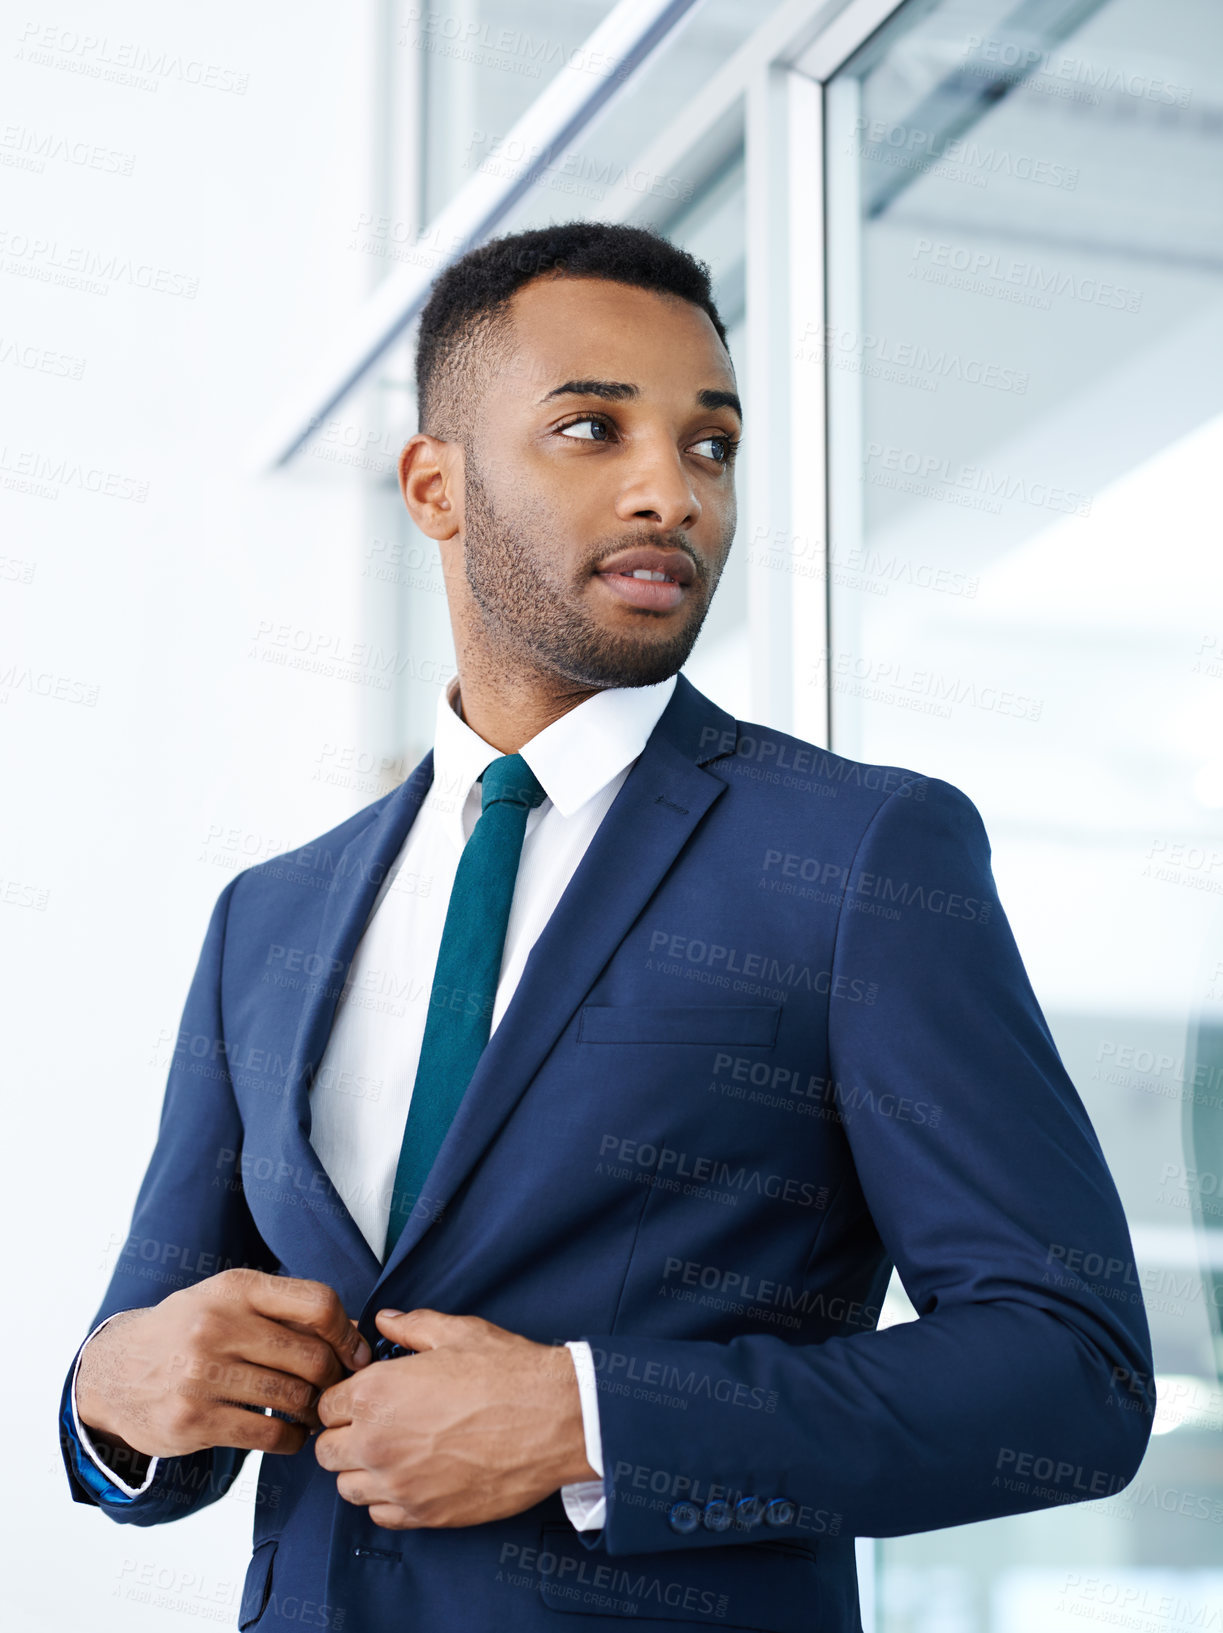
[(480, 1423)]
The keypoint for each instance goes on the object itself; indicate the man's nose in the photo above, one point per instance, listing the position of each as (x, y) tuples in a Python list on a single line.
[(659, 491)]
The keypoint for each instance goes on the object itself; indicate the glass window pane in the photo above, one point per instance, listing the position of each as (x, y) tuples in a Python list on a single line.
[(1025, 362), (486, 61), (714, 229), (483, 63)]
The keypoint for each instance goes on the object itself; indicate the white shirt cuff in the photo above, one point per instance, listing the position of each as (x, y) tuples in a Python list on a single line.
[(584, 1500), (87, 1444)]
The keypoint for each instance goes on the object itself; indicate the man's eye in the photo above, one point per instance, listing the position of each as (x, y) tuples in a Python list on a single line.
[(589, 420), (598, 430), (728, 445)]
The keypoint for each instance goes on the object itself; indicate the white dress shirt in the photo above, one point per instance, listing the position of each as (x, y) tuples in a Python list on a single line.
[(361, 1092)]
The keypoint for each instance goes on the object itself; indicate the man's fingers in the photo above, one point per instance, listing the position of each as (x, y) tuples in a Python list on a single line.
[(282, 1348), (238, 1383), (335, 1405), (367, 1490), (424, 1329), (255, 1432), (313, 1307), (354, 1487), (335, 1449), (389, 1516)]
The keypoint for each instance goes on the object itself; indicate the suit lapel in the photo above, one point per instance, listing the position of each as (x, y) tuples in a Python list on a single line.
[(663, 798), (345, 1259)]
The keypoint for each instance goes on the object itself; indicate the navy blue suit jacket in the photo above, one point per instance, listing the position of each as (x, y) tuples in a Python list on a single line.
[(775, 1039)]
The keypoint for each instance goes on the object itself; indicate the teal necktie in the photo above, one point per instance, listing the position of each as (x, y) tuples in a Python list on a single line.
[(465, 980)]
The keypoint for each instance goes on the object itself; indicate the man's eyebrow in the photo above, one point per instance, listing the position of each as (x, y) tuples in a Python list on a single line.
[(720, 399), (613, 390), (619, 391)]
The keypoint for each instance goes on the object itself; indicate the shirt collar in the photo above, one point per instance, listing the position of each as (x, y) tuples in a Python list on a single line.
[(573, 758)]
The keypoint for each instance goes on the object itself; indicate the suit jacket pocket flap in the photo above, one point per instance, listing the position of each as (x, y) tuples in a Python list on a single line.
[(257, 1588)]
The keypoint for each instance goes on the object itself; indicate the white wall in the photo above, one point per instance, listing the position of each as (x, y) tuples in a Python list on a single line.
[(237, 169)]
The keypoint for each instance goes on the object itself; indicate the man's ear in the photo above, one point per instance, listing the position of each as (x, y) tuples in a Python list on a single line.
[(431, 481)]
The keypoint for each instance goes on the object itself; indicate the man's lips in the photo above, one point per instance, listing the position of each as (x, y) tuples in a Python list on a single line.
[(650, 578), (656, 594)]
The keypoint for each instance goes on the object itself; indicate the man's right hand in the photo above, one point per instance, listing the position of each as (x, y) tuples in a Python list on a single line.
[(175, 1378)]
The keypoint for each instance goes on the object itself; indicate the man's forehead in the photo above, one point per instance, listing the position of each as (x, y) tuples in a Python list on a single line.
[(548, 356)]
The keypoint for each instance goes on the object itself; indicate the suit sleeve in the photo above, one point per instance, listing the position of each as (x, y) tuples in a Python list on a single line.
[(1026, 1379), (190, 1221)]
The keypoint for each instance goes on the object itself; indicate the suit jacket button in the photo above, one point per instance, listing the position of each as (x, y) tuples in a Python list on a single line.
[(781, 1511), (718, 1515), (684, 1517), (382, 1349), (749, 1511)]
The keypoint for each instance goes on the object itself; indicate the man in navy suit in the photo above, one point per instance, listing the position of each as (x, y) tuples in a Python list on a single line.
[(597, 1336)]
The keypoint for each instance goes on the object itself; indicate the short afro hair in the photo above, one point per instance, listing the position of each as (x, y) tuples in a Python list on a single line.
[(465, 327)]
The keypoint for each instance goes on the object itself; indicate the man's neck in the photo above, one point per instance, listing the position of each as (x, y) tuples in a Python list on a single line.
[(508, 711)]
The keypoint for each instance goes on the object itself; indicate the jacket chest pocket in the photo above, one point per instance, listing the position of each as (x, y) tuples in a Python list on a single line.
[(744, 1025)]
